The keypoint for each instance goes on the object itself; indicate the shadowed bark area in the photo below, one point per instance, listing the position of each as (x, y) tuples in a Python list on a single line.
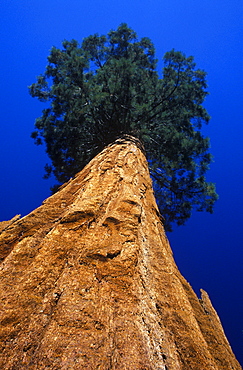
[(88, 280)]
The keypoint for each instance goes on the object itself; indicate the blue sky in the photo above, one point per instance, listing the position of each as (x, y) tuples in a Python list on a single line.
[(208, 250)]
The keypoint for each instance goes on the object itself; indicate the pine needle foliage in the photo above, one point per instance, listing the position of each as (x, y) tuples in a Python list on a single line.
[(108, 87)]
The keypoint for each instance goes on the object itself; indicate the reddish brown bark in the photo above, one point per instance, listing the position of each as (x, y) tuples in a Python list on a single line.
[(88, 281)]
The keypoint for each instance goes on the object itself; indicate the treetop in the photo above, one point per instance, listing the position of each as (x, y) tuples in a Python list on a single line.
[(108, 87)]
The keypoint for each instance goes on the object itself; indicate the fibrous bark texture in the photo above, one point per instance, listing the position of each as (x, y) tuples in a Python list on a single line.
[(88, 281)]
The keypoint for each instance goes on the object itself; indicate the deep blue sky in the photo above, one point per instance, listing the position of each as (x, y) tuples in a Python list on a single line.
[(208, 250)]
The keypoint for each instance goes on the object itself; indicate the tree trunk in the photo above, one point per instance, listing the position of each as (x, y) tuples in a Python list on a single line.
[(88, 280)]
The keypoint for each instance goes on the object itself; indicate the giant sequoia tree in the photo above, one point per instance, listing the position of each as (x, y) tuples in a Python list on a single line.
[(109, 87)]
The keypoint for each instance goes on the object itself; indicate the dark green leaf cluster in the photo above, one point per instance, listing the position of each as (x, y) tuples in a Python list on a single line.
[(109, 87)]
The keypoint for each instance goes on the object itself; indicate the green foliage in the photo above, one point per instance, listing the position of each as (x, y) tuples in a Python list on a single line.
[(108, 87)]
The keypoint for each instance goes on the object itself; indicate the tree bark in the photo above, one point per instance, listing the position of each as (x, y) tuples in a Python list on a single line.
[(88, 280)]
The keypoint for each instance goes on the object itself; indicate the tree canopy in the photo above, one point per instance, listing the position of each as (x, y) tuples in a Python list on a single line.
[(109, 86)]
